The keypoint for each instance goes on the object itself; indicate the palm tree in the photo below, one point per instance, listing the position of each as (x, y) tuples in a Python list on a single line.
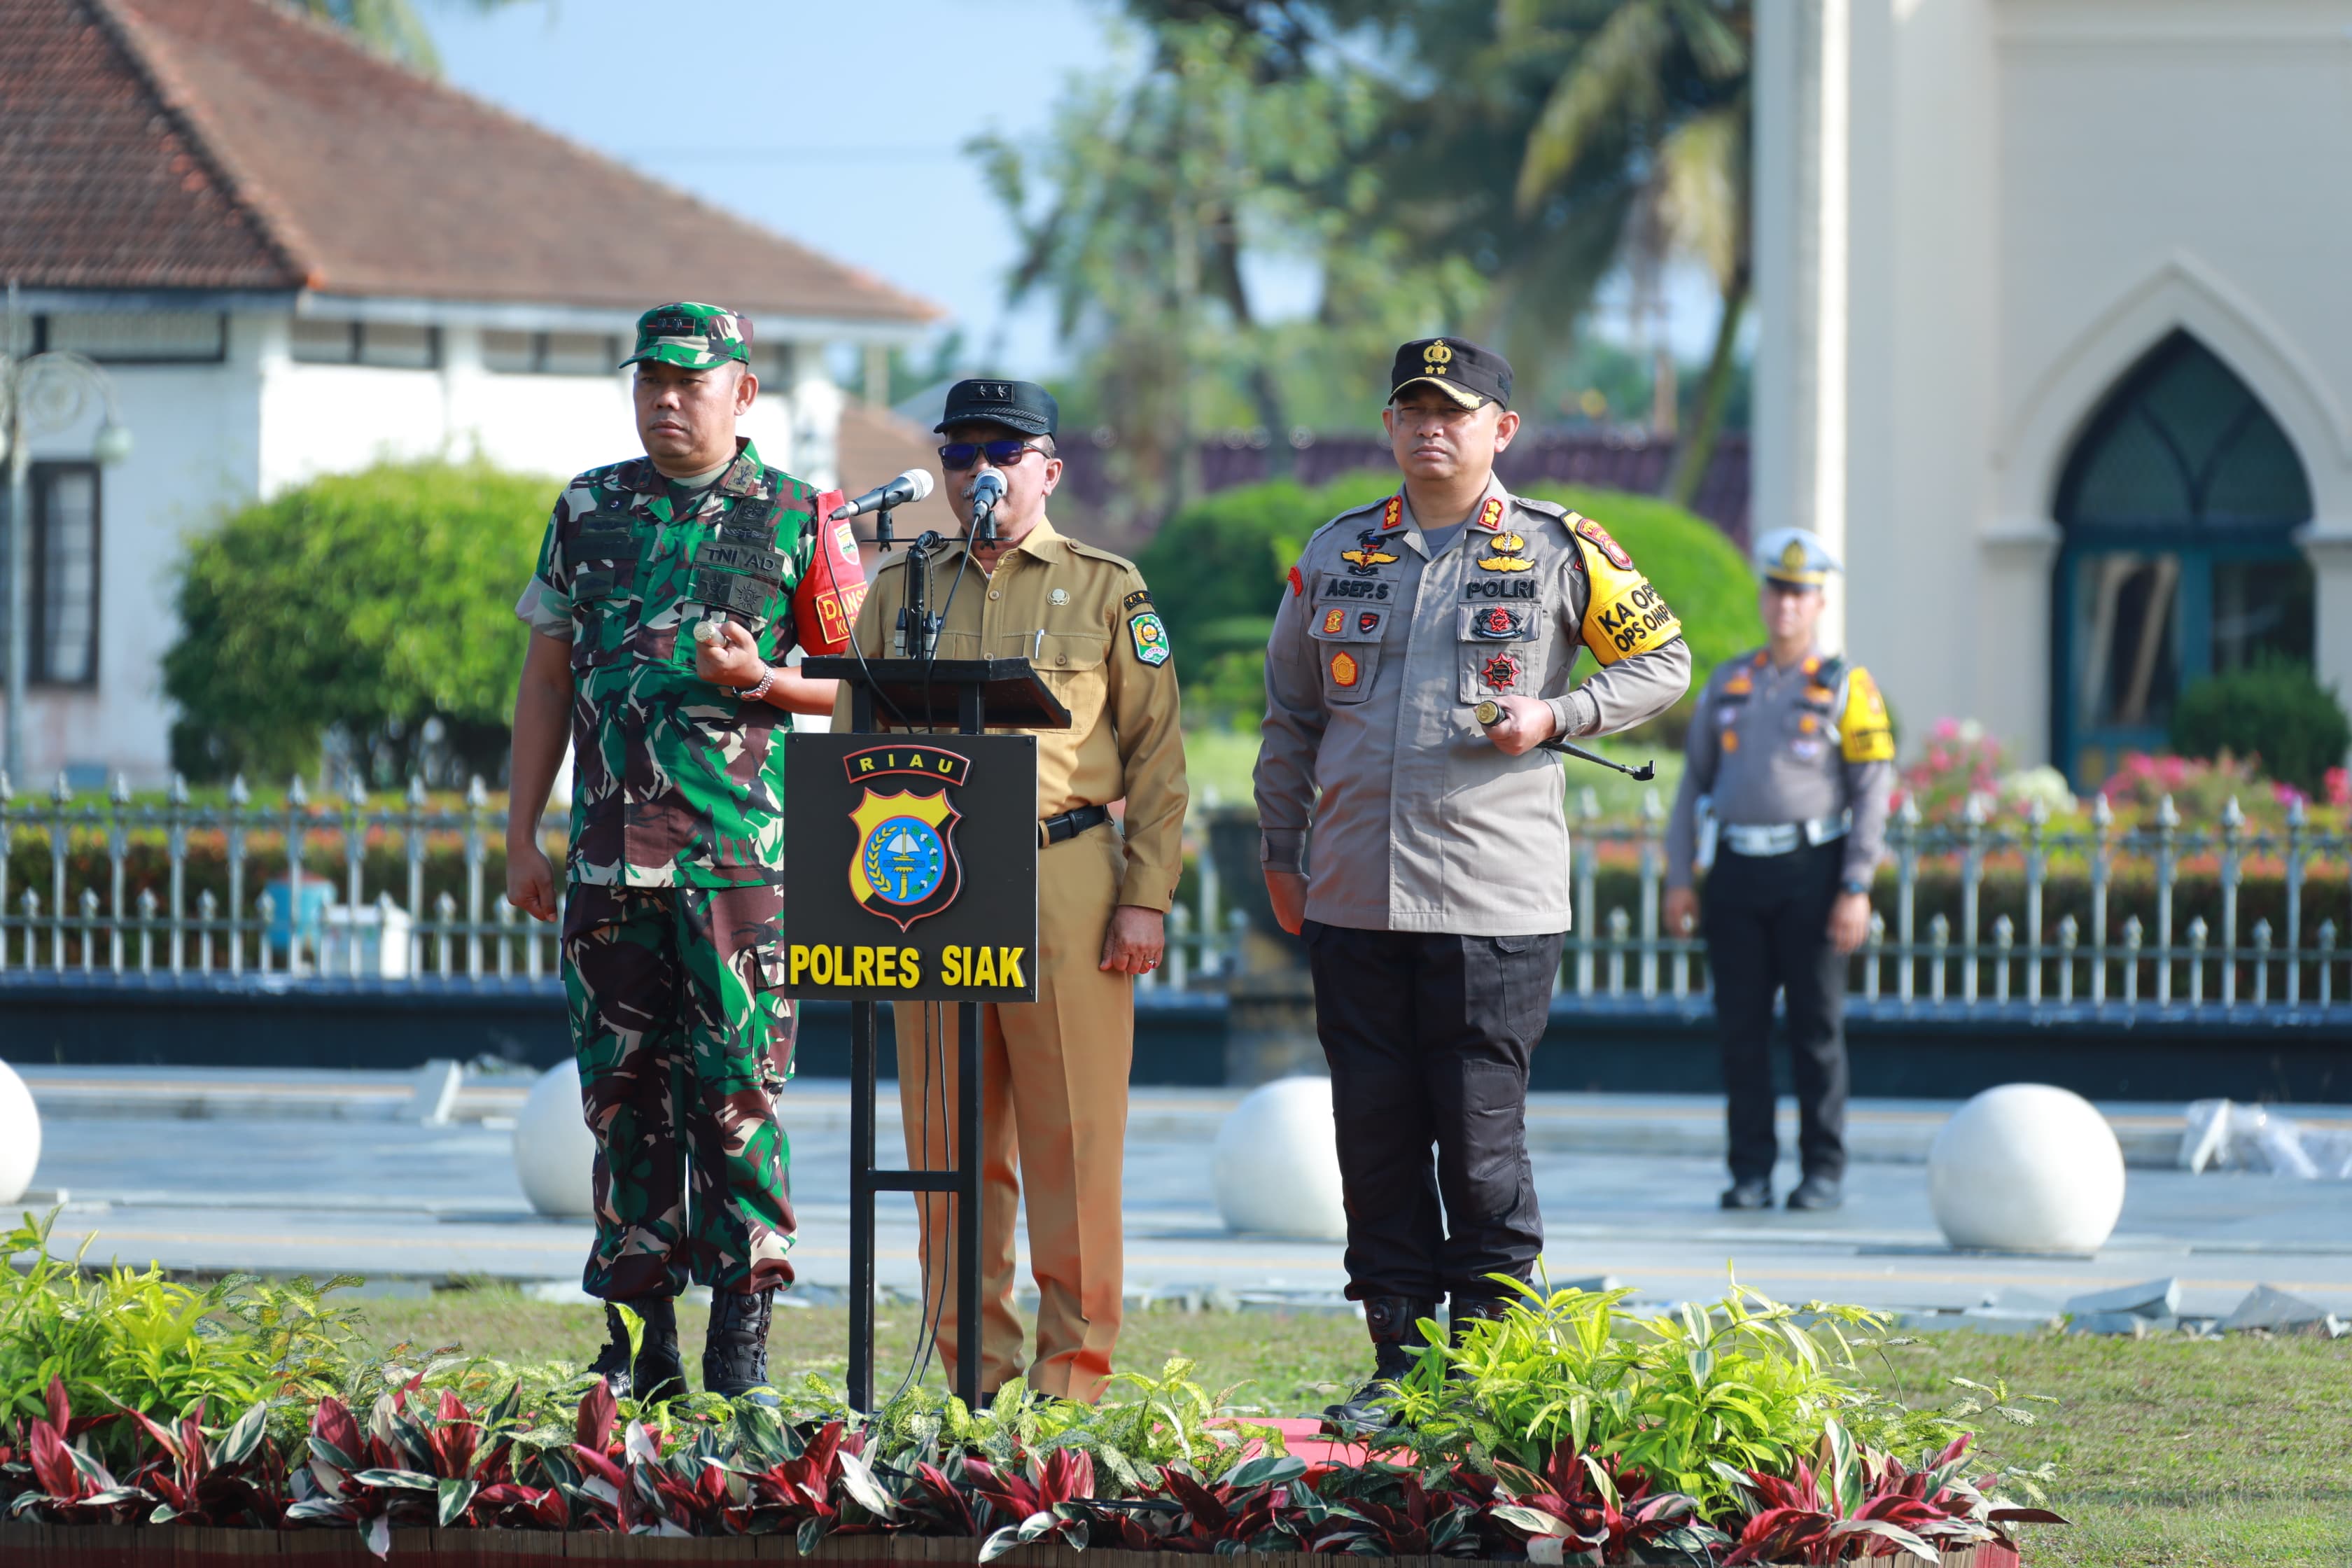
[(1662, 84)]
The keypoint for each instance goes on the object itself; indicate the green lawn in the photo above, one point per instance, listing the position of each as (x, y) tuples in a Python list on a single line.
[(2235, 1453)]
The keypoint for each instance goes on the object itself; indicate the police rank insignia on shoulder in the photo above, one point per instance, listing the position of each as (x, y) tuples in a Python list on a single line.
[(1150, 637), (1368, 557), (1392, 513)]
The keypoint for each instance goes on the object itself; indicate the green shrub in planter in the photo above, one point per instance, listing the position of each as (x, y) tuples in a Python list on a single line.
[(2276, 710)]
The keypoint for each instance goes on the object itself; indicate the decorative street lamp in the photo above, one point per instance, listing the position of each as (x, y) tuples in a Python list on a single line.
[(40, 394)]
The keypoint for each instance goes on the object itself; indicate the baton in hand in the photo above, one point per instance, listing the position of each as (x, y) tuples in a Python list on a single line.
[(1489, 712)]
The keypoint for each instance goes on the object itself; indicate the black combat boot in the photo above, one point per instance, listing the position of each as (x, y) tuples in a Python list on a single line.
[(659, 1371), (1461, 1314), (1394, 1323), (735, 1355)]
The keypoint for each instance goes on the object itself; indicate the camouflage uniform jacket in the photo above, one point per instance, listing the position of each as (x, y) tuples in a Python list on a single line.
[(674, 781)]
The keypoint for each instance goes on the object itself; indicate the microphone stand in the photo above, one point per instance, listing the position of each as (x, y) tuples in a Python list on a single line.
[(919, 630)]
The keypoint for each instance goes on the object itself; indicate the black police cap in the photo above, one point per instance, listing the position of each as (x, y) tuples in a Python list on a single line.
[(1463, 371), (1022, 405)]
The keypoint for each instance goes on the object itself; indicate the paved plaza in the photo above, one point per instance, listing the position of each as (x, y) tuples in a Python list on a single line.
[(209, 1171)]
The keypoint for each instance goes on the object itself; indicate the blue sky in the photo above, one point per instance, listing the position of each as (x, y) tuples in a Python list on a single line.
[(840, 125), (843, 125)]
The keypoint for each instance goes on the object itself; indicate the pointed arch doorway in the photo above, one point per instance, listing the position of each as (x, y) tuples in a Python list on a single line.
[(2178, 509)]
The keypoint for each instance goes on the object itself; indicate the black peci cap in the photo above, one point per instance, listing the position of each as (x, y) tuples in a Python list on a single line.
[(1463, 371), (1022, 405)]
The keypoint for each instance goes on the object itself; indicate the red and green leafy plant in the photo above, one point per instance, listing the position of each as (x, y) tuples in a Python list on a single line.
[(1857, 1503)]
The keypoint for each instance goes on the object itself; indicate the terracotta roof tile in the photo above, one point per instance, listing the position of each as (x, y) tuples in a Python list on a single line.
[(102, 186), (323, 163)]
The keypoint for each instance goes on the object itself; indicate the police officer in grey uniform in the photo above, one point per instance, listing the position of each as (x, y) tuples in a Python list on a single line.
[(1791, 749), (1437, 897)]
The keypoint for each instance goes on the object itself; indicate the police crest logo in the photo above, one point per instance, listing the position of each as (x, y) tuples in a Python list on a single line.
[(1507, 550), (1500, 672), (1437, 357), (1333, 620), (904, 866), (1606, 545), (1368, 557), (1150, 637), (1345, 670), (1497, 623)]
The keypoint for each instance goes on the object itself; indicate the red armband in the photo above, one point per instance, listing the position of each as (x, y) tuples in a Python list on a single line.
[(825, 604)]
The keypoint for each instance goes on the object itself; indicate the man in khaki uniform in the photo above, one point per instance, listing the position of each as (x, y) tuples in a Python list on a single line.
[(1054, 1085)]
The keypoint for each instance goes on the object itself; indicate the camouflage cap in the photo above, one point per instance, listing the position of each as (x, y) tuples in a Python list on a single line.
[(692, 336)]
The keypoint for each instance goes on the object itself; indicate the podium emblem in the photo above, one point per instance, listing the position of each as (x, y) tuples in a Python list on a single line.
[(904, 866)]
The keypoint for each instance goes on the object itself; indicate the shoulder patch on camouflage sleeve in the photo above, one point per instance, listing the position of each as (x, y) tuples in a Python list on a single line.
[(1865, 734), (1624, 614)]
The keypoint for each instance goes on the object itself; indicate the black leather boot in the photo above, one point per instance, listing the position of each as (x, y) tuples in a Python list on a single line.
[(1394, 1323), (659, 1371), (735, 1355), (1461, 1312)]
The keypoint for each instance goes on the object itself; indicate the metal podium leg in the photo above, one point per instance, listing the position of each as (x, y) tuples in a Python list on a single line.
[(967, 1187), (861, 1206)]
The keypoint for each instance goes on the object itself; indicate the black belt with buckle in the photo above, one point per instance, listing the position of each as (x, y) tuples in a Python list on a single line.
[(1070, 824)]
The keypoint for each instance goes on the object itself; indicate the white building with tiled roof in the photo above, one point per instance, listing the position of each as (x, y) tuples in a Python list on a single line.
[(293, 258)]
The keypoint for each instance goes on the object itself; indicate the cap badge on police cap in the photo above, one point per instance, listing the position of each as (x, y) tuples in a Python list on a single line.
[(1437, 357), (1793, 557)]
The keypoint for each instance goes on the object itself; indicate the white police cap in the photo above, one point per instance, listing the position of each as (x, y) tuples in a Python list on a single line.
[(1795, 555)]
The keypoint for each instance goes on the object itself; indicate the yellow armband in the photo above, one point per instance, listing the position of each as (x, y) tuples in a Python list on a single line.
[(1624, 616), (1864, 734)]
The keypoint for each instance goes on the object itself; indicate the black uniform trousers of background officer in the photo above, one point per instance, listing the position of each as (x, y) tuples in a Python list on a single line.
[(1766, 921), (1429, 1036)]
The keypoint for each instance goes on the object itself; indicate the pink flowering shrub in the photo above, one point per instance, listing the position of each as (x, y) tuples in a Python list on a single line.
[(1960, 760)]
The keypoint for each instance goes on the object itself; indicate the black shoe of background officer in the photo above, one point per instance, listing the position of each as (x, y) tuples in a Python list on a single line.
[(1817, 1192), (735, 1354), (659, 1371), (1750, 1193), (1394, 1322)]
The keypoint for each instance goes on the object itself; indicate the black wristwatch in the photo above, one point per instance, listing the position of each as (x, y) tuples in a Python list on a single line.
[(1853, 885)]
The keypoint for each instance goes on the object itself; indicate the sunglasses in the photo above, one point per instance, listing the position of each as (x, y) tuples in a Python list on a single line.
[(958, 456)]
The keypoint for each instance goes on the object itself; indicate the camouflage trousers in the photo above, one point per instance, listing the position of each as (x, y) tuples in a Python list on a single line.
[(683, 1047)]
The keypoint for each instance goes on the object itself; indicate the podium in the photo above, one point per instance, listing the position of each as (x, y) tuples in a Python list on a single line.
[(933, 823)]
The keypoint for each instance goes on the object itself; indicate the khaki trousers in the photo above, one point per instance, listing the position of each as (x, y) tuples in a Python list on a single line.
[(1054, 1109)]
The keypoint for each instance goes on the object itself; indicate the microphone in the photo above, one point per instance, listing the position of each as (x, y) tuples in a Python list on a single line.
[(912, 486), (986, 491)]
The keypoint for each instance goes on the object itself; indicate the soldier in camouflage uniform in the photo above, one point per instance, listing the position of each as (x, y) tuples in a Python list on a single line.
[(668, 589)]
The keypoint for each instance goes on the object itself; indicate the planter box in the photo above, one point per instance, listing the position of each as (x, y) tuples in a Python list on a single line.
[(166, 1546)]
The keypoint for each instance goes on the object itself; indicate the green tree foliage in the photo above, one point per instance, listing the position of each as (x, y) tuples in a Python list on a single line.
[(380, 601), (2276, 710), (1218, 568), (1138, 214), (393, 29)]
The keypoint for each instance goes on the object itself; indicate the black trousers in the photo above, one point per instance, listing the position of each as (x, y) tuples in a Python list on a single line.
[(1428, 1037), (1766, 921)]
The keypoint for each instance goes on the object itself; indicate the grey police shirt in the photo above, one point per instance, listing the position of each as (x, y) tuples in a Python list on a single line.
[(1770, 746), (1382, 650)]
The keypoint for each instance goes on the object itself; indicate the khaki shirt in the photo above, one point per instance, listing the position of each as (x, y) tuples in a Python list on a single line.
[(1772, 746), (1379, 656), (1084, 618)]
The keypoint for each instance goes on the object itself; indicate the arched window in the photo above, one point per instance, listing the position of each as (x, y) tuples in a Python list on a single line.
[(2179, 504)]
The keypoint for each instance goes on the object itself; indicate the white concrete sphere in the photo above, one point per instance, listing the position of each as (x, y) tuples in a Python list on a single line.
[(2026, 1168), (554, 1153), (20, 1135), (1275, 1163)]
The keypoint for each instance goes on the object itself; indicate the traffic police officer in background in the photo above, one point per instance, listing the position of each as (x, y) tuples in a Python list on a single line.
[(1436, 901), (667, 592), (1054, 1070), (1791, 749)]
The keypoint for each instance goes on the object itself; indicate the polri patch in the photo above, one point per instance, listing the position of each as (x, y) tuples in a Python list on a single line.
[(1298, 582), (1150, 637), (1606, 545)]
